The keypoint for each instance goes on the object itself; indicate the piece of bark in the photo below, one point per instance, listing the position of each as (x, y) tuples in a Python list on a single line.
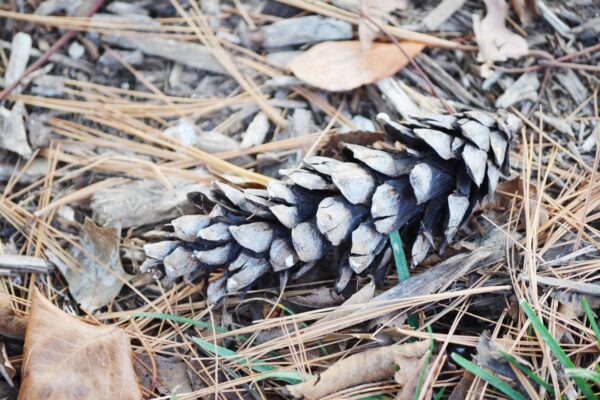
[(189, 54), (560, 124), (446, 81), (19, 57), (576, 286), (551, 17), (256, 132), (442, 275), (20, 264), (398, 98), (441, 13), (573, 85), (303, 30), (524, 88), (13, 136)]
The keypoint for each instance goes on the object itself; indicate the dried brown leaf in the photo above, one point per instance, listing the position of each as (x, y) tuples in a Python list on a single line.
[(496, 42), (65, 358), (407, 375), (11, 324), (100, 276), (171, 374), (515, 186), (369, 366), (339, 66)]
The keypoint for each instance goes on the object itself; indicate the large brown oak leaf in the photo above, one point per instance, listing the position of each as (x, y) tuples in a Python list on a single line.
[(65, 358)]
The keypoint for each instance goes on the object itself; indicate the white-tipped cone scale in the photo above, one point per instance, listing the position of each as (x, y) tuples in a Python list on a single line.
[(346, 208)]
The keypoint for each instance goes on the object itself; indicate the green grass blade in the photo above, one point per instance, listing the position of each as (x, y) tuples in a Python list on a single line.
[(425, 365), (399, 256), (488, 377), (184, 320), (402, 268), (439, 394), (269, 371), (560, 354), (583, 373), (528, 372), (592, 318)]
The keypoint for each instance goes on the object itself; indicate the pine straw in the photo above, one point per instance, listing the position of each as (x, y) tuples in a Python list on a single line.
[(118, 118)]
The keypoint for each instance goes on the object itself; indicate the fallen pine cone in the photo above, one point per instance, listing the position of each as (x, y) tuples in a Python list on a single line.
[(350, 206)]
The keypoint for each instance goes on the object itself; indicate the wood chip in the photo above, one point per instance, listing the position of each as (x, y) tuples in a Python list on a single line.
[(256, 132), (13, 136), (303, 30), (19, 57)]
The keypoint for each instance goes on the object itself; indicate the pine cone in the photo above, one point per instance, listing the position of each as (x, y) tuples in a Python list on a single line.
[(349, 206)]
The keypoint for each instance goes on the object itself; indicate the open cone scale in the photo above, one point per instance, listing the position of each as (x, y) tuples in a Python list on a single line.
[(349, 206)]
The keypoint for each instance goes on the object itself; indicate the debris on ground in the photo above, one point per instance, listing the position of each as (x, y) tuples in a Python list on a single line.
[(278, 199)]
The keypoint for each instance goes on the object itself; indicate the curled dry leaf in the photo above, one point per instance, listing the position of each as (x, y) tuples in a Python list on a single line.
[(11, 324), (369, 366), (65, 358), (339, 66), (100, 276), (496, 42)]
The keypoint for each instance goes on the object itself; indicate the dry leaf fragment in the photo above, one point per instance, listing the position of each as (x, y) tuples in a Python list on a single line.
[(339, 66), (100, 275), (65, 358), (369, 366), (407, 375), (11, 325), (6, 368), (507, 188), (496, 42), (172, 374)]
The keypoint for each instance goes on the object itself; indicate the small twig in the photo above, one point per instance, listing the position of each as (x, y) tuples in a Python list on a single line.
[(413, 63), (548, 61), (44, 57)]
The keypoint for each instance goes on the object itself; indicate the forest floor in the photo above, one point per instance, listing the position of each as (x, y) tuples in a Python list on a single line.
[(102, 139)]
